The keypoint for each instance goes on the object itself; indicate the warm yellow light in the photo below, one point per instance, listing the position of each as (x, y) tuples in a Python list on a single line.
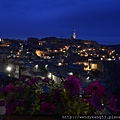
[(93, 66), (97, 55), (61, 50), (113, 51), (86, 55), (85, 64), (59, 64), (55, 51), (87, 68), (39, 53), (109, 59), (50, 75), (18, 53)]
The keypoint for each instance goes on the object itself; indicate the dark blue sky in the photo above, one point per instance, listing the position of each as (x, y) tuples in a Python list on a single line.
[(92, 19)]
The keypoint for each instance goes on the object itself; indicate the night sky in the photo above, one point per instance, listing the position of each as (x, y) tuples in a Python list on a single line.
[(92, 19)]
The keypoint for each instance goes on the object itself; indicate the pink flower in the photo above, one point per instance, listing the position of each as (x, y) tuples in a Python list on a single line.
[(29, 82), (46, 80), (19, 89), (95, 88), (72, 84), (113, 104), (10, 87), (96, 102), (2, 90), (11, 106), (47, 108), (22, 78), (32, 81), (2, 102)]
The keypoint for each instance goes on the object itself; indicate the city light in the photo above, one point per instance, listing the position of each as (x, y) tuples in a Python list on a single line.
[(50, 75), (36, 66), (9, 68), (71, 73), (59, 64)]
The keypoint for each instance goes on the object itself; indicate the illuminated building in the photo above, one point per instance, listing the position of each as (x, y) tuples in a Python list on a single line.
[(74, 35)]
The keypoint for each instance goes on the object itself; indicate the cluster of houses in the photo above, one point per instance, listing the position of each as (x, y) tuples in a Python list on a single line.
[(55, 58)]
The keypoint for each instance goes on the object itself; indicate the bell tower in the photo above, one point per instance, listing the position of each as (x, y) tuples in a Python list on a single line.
[(74, 35)]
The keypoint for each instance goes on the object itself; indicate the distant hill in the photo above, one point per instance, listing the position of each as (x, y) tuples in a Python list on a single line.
[(115, 47)]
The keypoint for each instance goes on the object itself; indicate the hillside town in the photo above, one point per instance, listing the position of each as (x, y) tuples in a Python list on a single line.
[(57, 58)]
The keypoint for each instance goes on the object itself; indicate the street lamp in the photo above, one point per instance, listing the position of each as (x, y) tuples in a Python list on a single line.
[(9, 68)]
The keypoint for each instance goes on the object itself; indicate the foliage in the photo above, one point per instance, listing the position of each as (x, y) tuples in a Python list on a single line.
[(35, 97)]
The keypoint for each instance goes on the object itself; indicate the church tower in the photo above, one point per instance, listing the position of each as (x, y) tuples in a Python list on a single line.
[(74, 35)]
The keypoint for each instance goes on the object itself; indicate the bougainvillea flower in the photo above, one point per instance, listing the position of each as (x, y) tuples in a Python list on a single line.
[(2, 90), (19, 89), (113, 104), (10, 87), (96, 88), (29, 82), (2, 102), (11, 106), (73, 84), (47, 108), (22, 78), (96, 102), (46, 80), (33, 97), (32, 81)]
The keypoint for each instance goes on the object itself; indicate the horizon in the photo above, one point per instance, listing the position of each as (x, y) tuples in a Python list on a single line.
[(92, 19), (25, 39)]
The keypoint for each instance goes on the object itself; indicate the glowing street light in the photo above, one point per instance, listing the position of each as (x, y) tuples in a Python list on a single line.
[(9, 68)]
